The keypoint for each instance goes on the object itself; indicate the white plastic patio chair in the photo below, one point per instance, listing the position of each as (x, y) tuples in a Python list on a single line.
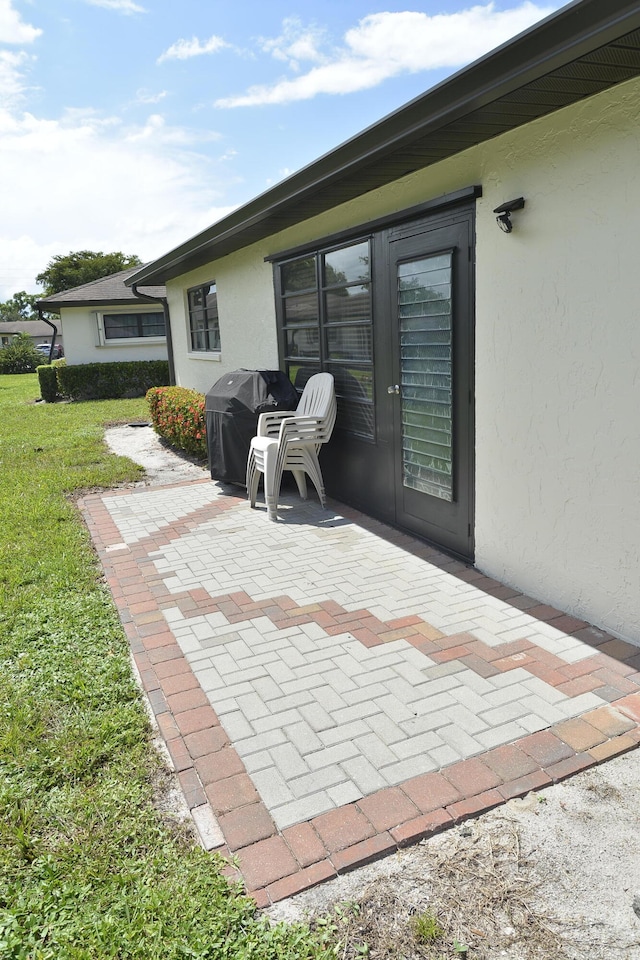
[(291, 440)]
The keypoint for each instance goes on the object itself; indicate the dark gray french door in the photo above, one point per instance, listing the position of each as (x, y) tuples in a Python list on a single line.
[(428, 399)]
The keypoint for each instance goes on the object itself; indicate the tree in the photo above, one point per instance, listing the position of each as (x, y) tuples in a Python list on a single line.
[(65, 271), (20, 356), (19, 307)]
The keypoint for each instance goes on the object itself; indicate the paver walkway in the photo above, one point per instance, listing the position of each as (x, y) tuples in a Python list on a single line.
[(330, 689)]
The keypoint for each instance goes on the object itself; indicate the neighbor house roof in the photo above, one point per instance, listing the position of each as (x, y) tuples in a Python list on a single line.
[(35, 328), (584, 48), (108, 290)]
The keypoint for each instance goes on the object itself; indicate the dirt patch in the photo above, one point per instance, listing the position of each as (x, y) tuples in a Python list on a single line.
[(470, 894), (552, 876)]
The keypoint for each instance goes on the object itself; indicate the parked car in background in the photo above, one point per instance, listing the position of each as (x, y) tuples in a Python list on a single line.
[(45, 348)]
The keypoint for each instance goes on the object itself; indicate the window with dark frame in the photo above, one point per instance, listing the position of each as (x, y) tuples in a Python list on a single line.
[(204, 328), (125, 326), (325, 317)]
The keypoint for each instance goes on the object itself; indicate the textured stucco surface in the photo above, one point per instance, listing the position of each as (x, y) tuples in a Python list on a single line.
[(247, 319), (557, 347), (557, 359)]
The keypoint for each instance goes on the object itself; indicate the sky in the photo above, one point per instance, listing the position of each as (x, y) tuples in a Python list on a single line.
[(132, 125)]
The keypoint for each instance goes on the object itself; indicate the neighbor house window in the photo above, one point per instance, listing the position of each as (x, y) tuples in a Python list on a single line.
[(325, 318), (126, 326), (204, 328)]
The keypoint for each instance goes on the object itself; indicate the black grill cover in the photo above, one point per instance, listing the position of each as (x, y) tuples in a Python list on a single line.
[(233, 405)]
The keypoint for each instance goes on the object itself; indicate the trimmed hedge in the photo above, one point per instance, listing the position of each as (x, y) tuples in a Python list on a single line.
[(48, 382), (48, 378), (112, 381), (178, 415)]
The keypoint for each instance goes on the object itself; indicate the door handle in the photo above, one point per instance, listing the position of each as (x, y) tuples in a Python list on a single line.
[(394, 389)]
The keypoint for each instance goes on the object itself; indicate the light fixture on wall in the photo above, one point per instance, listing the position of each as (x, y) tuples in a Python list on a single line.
[(504, 212)]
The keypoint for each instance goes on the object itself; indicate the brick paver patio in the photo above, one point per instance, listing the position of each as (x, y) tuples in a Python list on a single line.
[(330, 689)]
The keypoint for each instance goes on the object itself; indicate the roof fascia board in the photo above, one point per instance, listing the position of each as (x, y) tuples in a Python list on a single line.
[(572, 32), (55, 307)]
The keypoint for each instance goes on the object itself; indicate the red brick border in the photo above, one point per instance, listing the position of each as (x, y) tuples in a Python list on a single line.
[(277, 864)]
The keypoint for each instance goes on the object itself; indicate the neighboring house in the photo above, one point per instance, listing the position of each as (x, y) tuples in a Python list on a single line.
[(489, 383), (38, 330), (105, 321)]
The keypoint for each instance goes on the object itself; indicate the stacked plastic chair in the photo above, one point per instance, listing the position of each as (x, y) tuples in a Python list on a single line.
[(291, 440)]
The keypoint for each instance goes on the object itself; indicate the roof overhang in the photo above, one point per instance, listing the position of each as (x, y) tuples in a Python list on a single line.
[(583, 49)]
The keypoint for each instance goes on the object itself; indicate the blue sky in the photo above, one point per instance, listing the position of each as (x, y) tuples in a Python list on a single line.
[(133, 124)]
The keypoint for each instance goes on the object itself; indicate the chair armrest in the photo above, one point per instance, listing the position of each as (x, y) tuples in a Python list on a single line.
[(269, 423)]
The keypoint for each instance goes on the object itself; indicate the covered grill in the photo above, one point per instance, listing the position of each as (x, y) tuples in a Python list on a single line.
[(233, 405)]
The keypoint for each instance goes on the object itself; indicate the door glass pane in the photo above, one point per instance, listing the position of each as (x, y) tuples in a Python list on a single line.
[(355, 418), (299, 373), (348, 303), (299, 275), (354, 390), (353, 383), (302, 309), (303, 342), (347, 265), (349, 342), (426, 373)]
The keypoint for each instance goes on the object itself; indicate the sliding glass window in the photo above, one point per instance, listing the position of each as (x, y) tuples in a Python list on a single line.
[(325, 319)]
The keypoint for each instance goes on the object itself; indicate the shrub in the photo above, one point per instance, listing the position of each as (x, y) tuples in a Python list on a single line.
[(48, 382), (111, 381), (178, 415), (20, 356)]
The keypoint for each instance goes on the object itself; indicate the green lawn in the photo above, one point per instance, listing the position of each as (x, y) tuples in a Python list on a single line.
[(88, 867)]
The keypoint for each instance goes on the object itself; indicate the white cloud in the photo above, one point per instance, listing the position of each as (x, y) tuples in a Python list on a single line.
[(89, 182), (295, 43), (145, 96), (12, 28), (385, 45), (120, 6), (157, 130), (12, 70), (185, 49)]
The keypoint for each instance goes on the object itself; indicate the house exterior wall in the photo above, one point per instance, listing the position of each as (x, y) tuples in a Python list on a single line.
[(82, 340), (557, 347), (557, 361), (246, 310)]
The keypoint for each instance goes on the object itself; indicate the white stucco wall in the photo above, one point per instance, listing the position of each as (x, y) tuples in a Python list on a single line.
[(557, 348), (81, 340), (247, 318), (558, 363)]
